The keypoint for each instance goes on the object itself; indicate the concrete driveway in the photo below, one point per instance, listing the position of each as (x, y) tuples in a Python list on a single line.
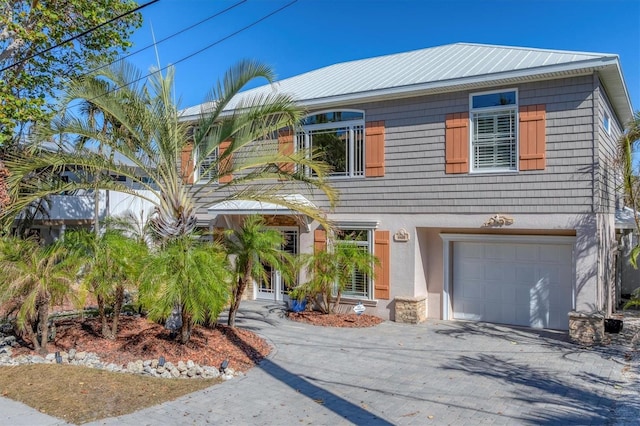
[(439, 372)]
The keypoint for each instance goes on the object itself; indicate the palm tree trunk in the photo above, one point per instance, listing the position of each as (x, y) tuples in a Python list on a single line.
[(237, 296), (33, 335), (187, 325), (117, 307), (336, 302), (103, 316), (43, 323)]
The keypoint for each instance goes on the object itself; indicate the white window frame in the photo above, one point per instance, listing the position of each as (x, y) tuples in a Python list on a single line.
[(303, 140), (473, 111), (200, 178), (370, 247), (606, 122)]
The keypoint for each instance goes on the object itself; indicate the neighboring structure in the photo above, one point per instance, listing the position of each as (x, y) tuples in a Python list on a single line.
[(627, 277), (481, 176), (77, 210)]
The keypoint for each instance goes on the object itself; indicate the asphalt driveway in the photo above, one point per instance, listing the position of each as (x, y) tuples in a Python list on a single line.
[(439, 372)]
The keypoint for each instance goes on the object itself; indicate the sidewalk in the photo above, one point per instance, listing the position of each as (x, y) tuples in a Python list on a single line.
[(439, 372)]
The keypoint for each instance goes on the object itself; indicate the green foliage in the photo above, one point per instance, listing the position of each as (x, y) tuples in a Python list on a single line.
[(627, 145), (144, 128), (34, 278), (634, 302), (254, 246), (112, 263), (30, 27), (140, 124), (4, 196), (329, 272), (189, 275)]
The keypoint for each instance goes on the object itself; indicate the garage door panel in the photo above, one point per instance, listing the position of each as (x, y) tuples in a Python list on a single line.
[(513, 283), (499, 271), (497, 252), (525, 253), (473, 271)]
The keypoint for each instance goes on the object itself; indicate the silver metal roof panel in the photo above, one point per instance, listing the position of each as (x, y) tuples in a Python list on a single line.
[(442, 68)]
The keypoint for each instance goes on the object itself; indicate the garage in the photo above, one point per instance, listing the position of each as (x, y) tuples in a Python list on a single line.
[(513, 281)]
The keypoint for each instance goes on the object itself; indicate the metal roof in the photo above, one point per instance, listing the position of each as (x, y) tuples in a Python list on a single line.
[(443, 68), (242, 207), (624, 218)]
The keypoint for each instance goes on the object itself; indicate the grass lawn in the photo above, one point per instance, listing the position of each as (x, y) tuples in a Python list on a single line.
[(80, 394)]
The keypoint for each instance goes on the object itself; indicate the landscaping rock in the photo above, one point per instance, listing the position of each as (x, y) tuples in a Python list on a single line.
[(188, 369)]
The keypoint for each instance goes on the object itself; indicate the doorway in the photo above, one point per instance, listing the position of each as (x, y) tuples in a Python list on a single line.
[(275, 286)]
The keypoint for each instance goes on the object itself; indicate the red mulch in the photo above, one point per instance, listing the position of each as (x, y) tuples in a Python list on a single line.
[(335, 320), (139, 338)]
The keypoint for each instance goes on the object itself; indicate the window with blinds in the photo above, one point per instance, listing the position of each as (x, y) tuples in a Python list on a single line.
[(360, 284), (494, 131)]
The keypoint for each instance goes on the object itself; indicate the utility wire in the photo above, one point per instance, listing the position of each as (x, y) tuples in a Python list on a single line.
[(184, 58), (177, 33), (78, 35)]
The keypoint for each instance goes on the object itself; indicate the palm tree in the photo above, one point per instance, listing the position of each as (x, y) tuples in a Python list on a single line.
[(331, 271), (111, 264), (627, 146), (254, 246), (189, 275), (146, 130), (34, 278), (4, 197)]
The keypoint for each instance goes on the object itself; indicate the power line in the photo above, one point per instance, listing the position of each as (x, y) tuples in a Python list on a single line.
[(184, 58), (78, 35), (177, 33)]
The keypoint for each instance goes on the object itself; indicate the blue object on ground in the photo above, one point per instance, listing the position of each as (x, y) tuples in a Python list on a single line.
[(298, 305)]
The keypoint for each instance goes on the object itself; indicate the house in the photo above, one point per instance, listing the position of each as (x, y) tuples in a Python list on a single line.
[(77, 209), (481, 176)]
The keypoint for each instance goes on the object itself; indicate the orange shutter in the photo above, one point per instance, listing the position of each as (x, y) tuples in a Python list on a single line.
[(533, 144), (319, 240), (457, 143), (285, 147), (374, 149), (224, 175), (382, 269), (186, 164)]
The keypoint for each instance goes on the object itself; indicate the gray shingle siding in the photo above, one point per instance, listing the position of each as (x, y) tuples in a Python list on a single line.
[(415, 181)]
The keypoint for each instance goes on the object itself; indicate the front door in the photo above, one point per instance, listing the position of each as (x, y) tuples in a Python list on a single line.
[(276, 287)]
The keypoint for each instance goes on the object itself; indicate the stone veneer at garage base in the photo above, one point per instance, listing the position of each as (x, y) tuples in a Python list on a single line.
[(586, 328), (410, 310)]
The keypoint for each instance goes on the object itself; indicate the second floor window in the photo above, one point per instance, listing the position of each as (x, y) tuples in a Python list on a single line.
[(494, 127), (338, 137), (208, 167)]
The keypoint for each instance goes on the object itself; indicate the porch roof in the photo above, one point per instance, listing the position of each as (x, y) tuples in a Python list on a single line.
[(624, 218), (242, 207)]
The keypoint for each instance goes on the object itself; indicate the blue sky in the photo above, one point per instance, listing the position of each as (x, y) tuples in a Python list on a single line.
[(310, 34)]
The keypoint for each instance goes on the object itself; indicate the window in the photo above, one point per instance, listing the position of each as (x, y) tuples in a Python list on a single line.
[(494, 131), (207, 170), (338, 137), (606, 123), (360, 284)]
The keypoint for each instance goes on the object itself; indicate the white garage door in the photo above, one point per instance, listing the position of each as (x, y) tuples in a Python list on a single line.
[(513, 283)]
